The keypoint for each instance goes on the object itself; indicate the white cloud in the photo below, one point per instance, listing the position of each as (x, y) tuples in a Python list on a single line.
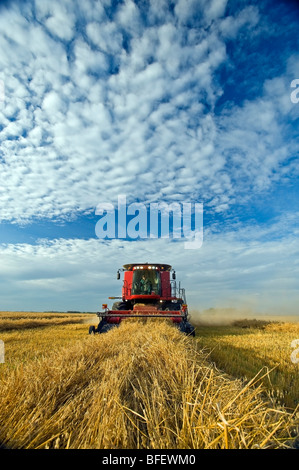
[(100, 103), (58, 18), (87, 120), (215, 9), (253, 136), (233, 268), (87, 60), (187, 11), (231, 25), (128, 16), (52, 105)]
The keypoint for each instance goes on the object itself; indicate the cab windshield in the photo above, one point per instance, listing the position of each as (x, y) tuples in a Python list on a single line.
[(146, 282)]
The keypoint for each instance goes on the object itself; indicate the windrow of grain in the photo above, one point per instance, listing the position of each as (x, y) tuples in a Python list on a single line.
[(142, 385), (29, 320)]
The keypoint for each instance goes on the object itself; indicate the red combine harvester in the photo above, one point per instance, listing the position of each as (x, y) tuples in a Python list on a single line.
[(147, 292)]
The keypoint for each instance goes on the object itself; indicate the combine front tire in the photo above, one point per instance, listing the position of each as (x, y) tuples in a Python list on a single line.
[(102, 327), (107, 327), (187, 328)]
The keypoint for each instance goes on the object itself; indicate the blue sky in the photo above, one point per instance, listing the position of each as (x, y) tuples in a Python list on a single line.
[(185, 101)]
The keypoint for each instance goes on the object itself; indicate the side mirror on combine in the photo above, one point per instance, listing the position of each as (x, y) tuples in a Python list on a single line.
[(173, 275), (118, 275)]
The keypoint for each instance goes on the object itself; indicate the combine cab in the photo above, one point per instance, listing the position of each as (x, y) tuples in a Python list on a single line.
[(147, 292)]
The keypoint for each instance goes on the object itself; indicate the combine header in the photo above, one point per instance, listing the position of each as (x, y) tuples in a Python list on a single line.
[(147, 292)]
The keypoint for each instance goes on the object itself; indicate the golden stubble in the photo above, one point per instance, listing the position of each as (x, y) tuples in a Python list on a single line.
[(142, 385)]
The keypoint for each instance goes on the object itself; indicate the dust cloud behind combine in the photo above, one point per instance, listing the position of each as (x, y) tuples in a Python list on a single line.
[(228, 316)]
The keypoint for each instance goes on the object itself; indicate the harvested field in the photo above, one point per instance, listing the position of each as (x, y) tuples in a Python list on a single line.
[(246, 346)]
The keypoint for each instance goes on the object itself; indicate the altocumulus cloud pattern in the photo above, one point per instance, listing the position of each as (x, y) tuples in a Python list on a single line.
[(174, 101)]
